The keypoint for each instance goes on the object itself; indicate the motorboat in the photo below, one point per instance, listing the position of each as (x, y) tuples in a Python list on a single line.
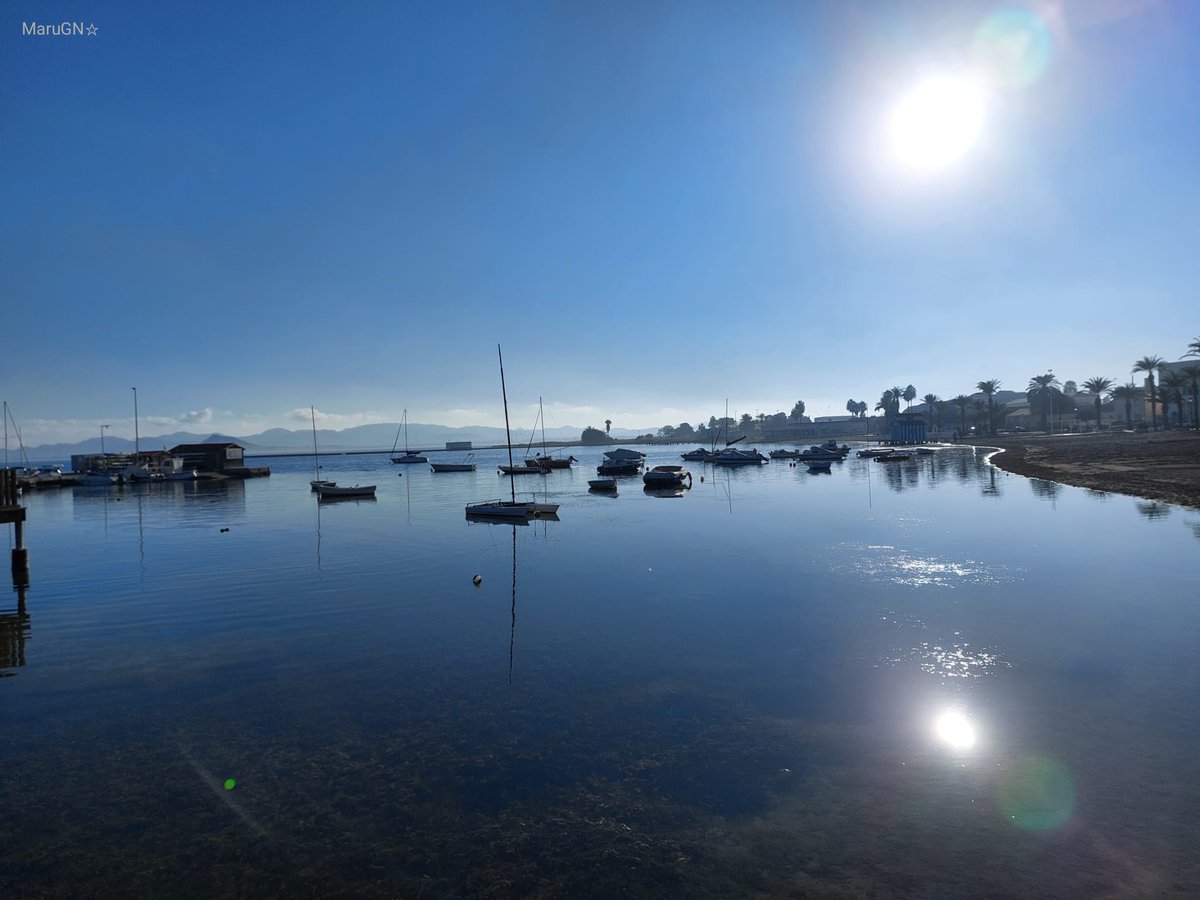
[(327, 491), (733, 457), (819, 465), (893, 456), (785, 454), (667, 477), (603, 484), (699, 455), (467, 465), (868, 452), (619, 467)]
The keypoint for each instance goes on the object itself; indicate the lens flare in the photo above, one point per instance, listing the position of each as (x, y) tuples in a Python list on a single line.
[(1014, 46), (1037, 794)]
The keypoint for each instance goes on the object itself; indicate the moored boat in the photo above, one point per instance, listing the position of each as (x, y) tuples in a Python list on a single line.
[(733, 457), (667, 477), (467, 465), (328, 491)]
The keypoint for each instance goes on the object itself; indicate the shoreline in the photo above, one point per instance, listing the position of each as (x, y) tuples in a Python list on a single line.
[(1161, 466)]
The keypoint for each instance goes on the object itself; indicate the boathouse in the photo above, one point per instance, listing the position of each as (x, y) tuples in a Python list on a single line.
[(228, 458), (907, 428)]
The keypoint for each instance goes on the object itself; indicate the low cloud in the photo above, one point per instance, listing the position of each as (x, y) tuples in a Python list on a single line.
[(335, 421), (197, 417)]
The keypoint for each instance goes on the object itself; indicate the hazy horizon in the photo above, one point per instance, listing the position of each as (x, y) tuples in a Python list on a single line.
[(653, 209)]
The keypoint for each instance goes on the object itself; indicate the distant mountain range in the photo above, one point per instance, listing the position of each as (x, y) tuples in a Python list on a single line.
[(280, 440)]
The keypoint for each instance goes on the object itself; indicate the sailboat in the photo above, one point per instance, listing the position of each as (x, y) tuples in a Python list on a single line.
[(511, 508), (137, 471), (329, 490), (94, 477), (410, 456), (544, 460), (317, 481)]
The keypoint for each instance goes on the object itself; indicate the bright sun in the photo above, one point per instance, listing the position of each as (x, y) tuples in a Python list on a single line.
[(935, 124)]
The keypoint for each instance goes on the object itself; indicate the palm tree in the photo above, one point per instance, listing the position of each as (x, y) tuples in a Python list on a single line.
[(981, 411), (1192, 373), (1193, 348), (1042, 388), (1149, 364), (930, 401), (1098, 386), (1173, 385), (989, 388), (961, 401), (607, 426), (889, 403), (1128, 393), (909, 394)]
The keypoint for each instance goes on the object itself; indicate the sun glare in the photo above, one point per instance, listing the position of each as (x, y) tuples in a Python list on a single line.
[(936, 123), (955, 730)]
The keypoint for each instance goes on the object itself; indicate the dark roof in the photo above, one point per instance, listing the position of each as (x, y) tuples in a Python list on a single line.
[(200, 448)]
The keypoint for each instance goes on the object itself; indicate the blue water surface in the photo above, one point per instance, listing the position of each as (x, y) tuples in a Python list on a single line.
[(923, 679)]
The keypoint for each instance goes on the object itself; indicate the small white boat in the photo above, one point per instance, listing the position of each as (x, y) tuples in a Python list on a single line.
[(868, 452)]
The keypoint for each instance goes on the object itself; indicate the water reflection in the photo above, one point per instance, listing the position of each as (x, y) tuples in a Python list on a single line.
[(955, 730), (884, 562), (1045, 490), (1152, 509), (14, 632)]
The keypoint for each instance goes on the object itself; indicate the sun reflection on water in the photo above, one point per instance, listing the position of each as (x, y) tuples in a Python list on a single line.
[(955, 730), (882, 562)]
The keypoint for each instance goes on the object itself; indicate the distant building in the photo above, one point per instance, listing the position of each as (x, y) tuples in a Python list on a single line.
[(228, 458), (458, 445)]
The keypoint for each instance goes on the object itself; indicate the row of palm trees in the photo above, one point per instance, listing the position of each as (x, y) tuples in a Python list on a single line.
[(1046, 395)]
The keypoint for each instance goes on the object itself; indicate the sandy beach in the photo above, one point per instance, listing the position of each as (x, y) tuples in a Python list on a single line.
[(1160, 466)]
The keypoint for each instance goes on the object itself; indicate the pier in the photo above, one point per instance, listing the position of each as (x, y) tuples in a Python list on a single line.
[(12, 511)]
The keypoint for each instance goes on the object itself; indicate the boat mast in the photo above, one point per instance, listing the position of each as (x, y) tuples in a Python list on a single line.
[(542, 416), (6, 434), (406, 432), (316, 466), (136, 451), (512, 481)]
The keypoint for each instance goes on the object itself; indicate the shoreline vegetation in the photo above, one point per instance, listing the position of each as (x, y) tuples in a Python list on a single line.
[(1156, 466)]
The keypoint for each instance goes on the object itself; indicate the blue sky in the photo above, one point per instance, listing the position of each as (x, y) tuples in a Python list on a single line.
[(245, 209)]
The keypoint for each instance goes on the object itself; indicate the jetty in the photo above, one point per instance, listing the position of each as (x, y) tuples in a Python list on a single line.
[(11, 511)]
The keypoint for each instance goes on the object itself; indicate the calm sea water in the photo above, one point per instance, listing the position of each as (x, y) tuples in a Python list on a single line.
[(929, 679)]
